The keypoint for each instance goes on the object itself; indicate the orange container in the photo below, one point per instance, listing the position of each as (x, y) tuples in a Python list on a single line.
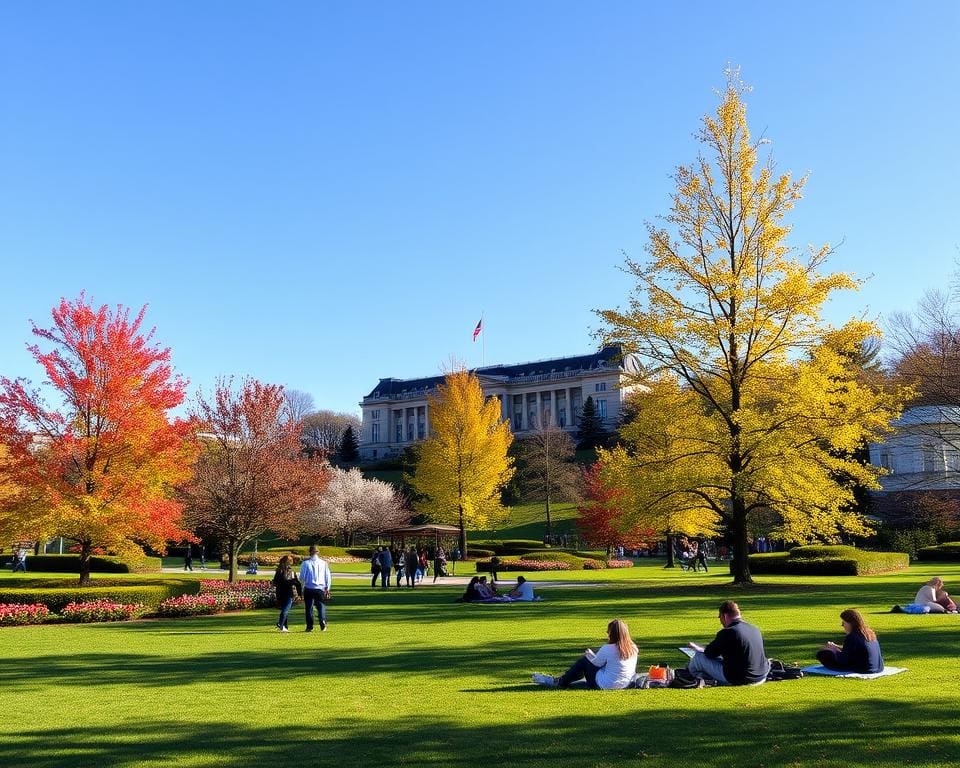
[(657, 673)]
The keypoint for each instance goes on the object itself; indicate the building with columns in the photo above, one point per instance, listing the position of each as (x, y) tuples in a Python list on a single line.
[(396, 412), (923, 453)]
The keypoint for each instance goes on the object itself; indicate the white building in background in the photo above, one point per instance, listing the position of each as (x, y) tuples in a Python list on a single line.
[(396, 413), (923, 453)]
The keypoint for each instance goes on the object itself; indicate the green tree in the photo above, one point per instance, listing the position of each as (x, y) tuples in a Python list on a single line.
[(731, 319), (592, 433), (349, 445), (464, 464)]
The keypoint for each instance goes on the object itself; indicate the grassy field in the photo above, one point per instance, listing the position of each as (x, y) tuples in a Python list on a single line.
[(413, 679)]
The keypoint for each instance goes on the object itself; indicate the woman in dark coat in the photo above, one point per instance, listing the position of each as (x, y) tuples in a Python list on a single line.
[(860, 651), (287, 584)]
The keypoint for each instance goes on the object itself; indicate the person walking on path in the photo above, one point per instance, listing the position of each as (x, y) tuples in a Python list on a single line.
[(375, 567), (410, 563), (188, 560), (386, 566), (287, 584), (20, 561), (701, 555), (736, 655), (315, 578), (439, 564)]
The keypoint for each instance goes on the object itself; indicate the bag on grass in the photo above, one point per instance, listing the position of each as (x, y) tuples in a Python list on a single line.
[(782, 670), (684, 678)]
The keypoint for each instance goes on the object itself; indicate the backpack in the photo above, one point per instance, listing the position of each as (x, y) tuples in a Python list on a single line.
[(782, 670), (684, 678)]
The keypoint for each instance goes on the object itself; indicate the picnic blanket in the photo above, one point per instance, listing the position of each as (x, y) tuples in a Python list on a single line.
[(819, 669)]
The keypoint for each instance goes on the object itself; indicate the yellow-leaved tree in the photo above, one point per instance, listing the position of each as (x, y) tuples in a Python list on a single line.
[(463, 464), (660, 442), (767, 402)]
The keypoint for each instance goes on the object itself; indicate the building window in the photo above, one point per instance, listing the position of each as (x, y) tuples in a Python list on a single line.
[(375, 414), (399, 432), (562, 417), (410, 432), (518, 421), (532, 419), (600, 386), (929, 459), (375, 434), (421, 431), (601, 409)]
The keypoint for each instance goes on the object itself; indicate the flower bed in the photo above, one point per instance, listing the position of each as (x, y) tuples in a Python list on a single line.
[(525, 565), (11, 614), (100, 610), (257, 591), (619, 563), (190, 605)]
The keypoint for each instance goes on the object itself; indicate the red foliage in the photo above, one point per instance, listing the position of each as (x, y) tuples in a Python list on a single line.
[(252, 474), (601, 513), (98, 466)]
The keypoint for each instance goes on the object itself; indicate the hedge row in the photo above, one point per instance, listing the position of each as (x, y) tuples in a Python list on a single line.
[(949, 550), (57, 598), (838, 561), (70, 563)]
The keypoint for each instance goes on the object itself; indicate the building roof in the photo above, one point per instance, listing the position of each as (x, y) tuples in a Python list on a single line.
[(923, 415), (609, 357)]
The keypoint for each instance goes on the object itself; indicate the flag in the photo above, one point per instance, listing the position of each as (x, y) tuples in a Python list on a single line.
[(476, 331)]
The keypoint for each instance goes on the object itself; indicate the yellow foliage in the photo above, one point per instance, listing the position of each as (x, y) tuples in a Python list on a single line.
[(757, 405), (463, 464)]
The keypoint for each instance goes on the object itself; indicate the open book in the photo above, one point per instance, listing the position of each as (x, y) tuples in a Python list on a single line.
[(688, 652)]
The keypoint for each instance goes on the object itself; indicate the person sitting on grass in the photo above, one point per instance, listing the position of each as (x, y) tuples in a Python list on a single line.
[(927, 596), (523, 592), (736, 655), (860, 651), (611, 668), (944, 599), (472, 592)]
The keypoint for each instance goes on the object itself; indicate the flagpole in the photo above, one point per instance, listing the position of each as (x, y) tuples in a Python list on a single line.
[(483, 341)]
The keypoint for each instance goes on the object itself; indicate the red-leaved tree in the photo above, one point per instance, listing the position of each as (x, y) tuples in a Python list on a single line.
[(99, 464), (252, 475), (600, 515)]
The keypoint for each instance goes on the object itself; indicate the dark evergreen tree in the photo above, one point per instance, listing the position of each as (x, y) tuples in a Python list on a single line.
[(591, 433), (349, 445)]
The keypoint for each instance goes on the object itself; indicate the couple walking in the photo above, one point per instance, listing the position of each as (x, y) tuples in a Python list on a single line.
[(313, 585)]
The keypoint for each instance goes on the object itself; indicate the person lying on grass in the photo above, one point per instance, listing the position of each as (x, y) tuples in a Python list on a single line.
[(611, 668), (860, 651)]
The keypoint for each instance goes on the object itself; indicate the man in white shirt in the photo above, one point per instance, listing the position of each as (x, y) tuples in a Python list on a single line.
[(315, 577), (522, 592)]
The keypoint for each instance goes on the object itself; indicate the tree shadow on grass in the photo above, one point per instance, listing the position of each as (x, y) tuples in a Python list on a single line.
[(654, 728)]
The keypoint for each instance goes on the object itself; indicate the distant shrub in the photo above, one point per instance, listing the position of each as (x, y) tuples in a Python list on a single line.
[(19, 614), (259, 592), (949, 551), (619, 563), (909, 540), (70, 563), (828, 561), (56, 598)]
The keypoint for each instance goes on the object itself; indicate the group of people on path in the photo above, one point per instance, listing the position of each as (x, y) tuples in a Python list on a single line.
[(411, 565), (313, 585), (736, 655)]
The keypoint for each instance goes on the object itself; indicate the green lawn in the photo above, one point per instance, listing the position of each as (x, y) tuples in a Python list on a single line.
[(412, 679)]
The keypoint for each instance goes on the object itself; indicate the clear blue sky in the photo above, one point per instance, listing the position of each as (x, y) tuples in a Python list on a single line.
[(321, 194)]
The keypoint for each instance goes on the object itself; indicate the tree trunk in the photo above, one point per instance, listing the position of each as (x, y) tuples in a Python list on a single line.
[(85, 553), (740, 565), (233, 547), (463, 537), (671, 563), (549, 531)]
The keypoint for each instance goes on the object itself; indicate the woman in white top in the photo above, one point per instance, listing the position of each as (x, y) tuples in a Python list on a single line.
[(927, 595), (612, 667)]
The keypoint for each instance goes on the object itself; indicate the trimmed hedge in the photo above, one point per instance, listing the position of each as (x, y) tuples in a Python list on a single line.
[(828, 561), (57, 598), (949, 550), (508, 546), (70, 563)]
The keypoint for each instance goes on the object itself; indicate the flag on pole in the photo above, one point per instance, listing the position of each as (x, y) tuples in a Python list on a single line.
[(476, 331)]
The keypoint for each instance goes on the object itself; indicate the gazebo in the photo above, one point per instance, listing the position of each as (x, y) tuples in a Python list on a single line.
[(419, 531)]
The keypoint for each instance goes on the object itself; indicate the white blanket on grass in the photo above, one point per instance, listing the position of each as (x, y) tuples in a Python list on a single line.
[(819, 669)]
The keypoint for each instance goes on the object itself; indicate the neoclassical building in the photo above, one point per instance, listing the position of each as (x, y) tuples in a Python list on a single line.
[(923, 453), (396, 412)]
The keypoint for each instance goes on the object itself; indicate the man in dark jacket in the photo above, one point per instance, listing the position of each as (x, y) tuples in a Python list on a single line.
[(386, 565), (736, 655)]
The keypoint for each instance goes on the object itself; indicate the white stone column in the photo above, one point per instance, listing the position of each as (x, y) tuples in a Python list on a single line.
[(554, 408), (569, 407), (539, 413)]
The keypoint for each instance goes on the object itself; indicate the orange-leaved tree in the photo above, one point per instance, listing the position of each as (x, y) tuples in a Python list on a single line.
[(252, 475), (99, 465)]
